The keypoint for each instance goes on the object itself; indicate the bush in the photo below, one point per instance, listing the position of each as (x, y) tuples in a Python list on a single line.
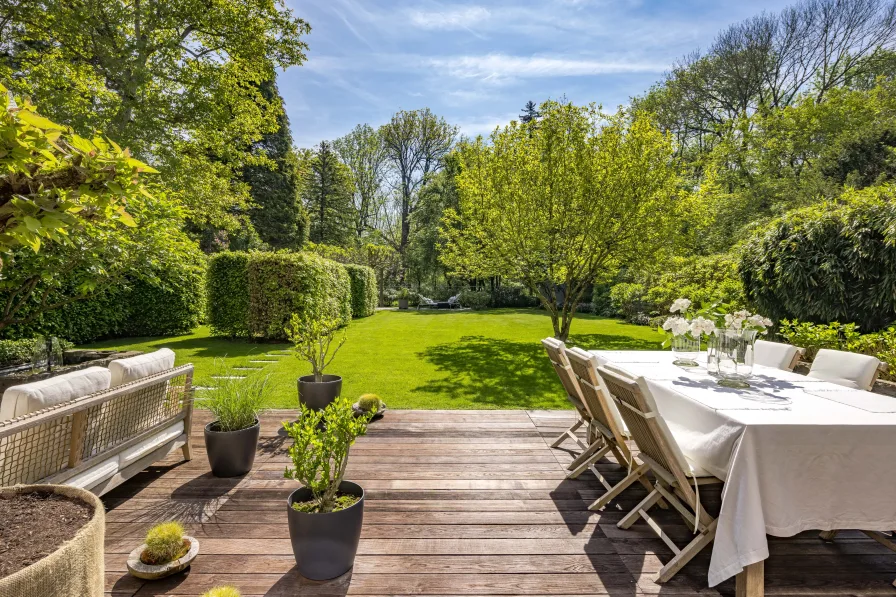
[(627, 299), (164, 543), (475, 299), (281, 284), (363, 288), (227, 287), (828, 262), (601, 304), (703, 279), (16, 352), (512, 294), (837, 336)]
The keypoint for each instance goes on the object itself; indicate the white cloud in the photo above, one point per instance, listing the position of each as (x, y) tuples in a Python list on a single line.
[(458, 18), (497, 67)]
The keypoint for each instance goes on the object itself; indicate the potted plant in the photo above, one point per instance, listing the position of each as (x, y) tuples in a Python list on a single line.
[(47, 529), (313, 341), (166, 551), (232, 437), (404, 296), (223, 591), (369, 405), (326, 514)]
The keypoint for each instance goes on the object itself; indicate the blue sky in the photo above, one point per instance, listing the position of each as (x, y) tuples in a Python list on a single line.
[(477, 63)]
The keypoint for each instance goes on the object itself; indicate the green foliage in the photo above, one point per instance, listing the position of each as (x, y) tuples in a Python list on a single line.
[(364, 290), (369, 403), (283, 284), (560, 202), (312, 337), (832, 262), (627, 299), (327, 195), (512, 294), (235, 403), (363, 152), (164, 543), (321, 443), (223, 591), (475, 299), (703, 279), (16, 352), (842, 336), (227, 288)]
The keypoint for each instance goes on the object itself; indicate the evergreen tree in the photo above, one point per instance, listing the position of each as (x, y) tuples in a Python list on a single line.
[(327, 196), (275, 184), (530, 112)]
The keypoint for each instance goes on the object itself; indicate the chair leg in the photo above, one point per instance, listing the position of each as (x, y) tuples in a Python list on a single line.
[(586, 454), (569, 434), (636, 474), (703, 539), (828, 535), (646, 504), (588, 462), (187, 450)]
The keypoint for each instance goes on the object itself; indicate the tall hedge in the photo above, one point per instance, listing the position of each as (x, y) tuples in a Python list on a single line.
[(830, 262), (364, 291), (227, 286), (284, 283)]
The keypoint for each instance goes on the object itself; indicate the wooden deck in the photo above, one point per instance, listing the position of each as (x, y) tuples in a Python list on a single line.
[(458, 503)]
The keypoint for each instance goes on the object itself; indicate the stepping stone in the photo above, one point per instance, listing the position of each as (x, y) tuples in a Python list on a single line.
[(268, 361), (276, 355), (204, 388), (248, 368), (228, 376)]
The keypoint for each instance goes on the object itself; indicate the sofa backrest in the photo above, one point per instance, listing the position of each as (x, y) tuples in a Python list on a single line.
[(133, 368), (27, 398)]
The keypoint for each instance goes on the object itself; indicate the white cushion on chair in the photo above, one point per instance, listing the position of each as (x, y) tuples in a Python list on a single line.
[(149, 444), (134, 368), (848, 369), (27, 398), (95, 474), (774, 354)]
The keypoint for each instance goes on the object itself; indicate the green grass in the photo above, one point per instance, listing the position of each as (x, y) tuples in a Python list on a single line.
[(422, 360)]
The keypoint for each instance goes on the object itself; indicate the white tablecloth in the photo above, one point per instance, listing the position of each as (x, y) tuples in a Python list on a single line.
[(795, 453)]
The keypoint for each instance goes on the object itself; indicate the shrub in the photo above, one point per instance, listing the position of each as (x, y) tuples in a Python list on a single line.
[(235, 403), (319, 454), (228, 294), (512, 294), (312, 339), (704, 279), (627, 299), (475, 299), (369, 403), (281, 284), (363, 288), (841, 336), (600, 300), (828, 262), (164, 543), (223, 591), (16, 352)]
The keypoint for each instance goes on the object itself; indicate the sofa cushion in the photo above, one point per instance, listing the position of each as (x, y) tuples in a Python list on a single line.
[(27, 398), (137, 451), (99, 472), (134, 368)]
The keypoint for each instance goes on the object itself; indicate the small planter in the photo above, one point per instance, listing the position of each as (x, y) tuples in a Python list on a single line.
[(231, 453), (76, 567), (318, 394), (379, 413), (402, 303), (325, 545), (150, 572)]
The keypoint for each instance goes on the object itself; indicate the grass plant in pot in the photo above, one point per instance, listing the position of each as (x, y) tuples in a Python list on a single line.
[(166, 551), (314, 340), (326, 514), (232, 437)]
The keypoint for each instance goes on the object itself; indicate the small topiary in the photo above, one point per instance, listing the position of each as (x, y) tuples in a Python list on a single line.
[(164, 543), (369, 403), (223, 591)]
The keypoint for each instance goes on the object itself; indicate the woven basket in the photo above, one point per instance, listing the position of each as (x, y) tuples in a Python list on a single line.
[(75, 568)]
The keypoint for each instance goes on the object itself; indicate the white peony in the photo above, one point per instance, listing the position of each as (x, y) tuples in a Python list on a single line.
[(701, 325), (677, 325), (680, 305)]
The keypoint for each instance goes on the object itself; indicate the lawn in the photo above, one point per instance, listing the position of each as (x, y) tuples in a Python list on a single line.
[(422, 360)]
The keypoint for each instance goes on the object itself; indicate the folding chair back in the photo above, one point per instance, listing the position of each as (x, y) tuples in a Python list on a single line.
[(655, 441), (848, 369), (555, 349), (596, 397), (776, 354)]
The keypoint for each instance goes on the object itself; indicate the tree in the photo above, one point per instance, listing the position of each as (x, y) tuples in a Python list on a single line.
[(176, 81), (328, 196), (559, 206), (362, 150), (530, 113), (416, 144), (275, 184)]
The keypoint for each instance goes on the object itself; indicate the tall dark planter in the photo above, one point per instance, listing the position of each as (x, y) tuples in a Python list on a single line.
[(231, 453), (325, 545), (402, 303), (318, 394)]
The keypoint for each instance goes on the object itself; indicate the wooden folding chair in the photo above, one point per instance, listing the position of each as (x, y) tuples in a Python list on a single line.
[(677, 481), (609, 429), (555, 349)]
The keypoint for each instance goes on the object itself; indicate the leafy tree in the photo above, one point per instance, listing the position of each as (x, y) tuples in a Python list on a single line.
[(327, 196), (416, 144), (275, 184), (437, 196), (530, 112), (176, 81), (562, 205), (363, 152)]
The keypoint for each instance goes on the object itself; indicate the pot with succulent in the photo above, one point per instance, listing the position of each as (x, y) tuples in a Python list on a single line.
[(325, 514), (404, 296), (369, 405), (166, 551), (231, 438), (313, 341), (223, 591)]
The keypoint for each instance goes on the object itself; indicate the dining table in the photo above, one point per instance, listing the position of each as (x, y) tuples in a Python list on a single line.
[(795, 453)]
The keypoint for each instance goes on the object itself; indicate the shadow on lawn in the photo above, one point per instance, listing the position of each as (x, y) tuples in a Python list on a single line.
[(507, 374)]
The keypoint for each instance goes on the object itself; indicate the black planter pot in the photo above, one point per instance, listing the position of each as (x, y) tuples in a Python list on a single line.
[(318, 394), (402, 303), (325, 544), (231, 453)]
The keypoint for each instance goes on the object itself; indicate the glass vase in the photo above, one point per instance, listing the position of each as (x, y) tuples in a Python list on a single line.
[(686, 350), (734, 357)]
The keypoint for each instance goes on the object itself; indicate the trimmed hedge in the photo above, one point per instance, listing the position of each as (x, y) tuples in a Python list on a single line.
[(281, 284), (227, 285), (364, 291)]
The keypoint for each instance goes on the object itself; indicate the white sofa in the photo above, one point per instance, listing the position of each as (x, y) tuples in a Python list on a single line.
[(95, 428)]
